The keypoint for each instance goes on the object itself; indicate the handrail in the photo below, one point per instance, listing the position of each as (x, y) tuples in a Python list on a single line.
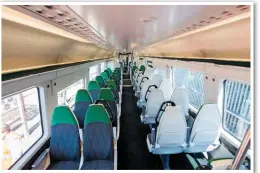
[(242, 151), (148, 90)]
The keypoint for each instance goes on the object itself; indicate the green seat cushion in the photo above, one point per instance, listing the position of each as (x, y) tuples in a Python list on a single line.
[(93, 85), (83, 95), (63, 115), (96, 113), (106, 94)]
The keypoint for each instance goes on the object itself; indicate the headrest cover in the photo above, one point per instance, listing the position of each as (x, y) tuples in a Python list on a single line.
[(63, 115), (109, 70), (93, 85), (111, 82), (106, 94), (104, 75), (96, 113), (83, 95), (100, 79), (142, 68)]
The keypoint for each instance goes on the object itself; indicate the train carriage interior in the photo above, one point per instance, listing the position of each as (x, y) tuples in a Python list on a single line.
[(127, 87)]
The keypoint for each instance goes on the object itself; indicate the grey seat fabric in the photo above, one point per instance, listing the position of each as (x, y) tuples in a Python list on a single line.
[(64, 165), (171, 133), (180, 98), (153, 104), (156, 80), (98, 165), (98, 139), (65, 140), (205, 130), (166, 88)]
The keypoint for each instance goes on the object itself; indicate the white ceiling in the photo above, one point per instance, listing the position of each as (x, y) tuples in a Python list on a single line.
[(123, 26)]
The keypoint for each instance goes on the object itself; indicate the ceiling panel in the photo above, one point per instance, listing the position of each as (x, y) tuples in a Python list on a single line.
[(140, 25)]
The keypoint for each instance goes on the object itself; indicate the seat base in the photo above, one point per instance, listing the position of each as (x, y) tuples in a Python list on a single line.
[(64, 165), (98, 165)]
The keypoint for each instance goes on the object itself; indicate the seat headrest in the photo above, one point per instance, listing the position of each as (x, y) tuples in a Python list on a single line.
[(93, 85), (180, 98), (112, 82), (157, 79), (106, 94), (172, 127), (142, 68), (154, 102), (104, 76), (149, 71), (173, 115), (100, 79), (166, 88), (109, 70), (96, 113), (63, 115), (83, 95), (208, 113)]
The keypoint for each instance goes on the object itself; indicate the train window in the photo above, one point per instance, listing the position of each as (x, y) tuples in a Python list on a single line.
[(21, 125), (93, 72), (67, 95), (111, 65), (102, 66), (193, 82), (236, 108)]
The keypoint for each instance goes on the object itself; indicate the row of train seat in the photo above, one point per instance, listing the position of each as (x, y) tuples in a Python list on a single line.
[(85, 138), (166, 110)]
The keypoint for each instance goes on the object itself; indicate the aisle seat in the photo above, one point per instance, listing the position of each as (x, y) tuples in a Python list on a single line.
[(169, 135), (100, 81), (147, 87), (104, 76), (82, 102), (107, 95), (153, 105), (94, 89), (98, 147)]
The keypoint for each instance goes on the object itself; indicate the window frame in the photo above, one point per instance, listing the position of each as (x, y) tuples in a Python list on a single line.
[(223, 111), (41, 118), (191, 107), (97, 67), (67, 88)]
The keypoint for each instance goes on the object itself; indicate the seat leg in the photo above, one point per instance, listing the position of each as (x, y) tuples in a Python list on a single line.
[(166, 161)]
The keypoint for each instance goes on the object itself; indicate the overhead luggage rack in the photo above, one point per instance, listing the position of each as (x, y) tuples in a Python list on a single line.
[(65, 18)]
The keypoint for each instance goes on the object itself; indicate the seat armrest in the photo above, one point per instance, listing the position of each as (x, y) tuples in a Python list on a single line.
[(188, 135), (143, 110), (39, 162), (153, 136)]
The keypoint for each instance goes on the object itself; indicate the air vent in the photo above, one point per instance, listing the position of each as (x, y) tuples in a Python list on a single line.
[(65, 18), (148, 19)]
